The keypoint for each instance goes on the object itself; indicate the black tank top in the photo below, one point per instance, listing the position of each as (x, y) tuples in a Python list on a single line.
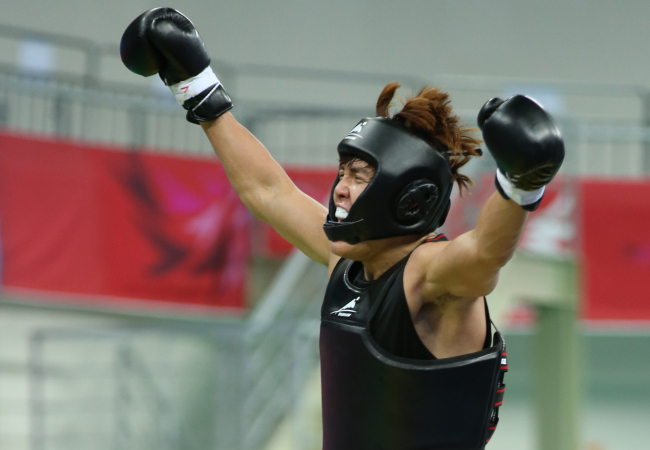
[(392, 326), (375, 400)]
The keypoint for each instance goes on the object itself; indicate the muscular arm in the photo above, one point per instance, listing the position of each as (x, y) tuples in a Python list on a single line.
[(528, 149), (265, 188), (164, 41), (468, 266)]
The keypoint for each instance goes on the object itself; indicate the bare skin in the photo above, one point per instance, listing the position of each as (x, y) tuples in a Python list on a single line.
[(444, 282)]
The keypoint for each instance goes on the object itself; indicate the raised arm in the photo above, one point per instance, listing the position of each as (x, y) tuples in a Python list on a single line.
[(164, 41), (266, 190), (529, 150)]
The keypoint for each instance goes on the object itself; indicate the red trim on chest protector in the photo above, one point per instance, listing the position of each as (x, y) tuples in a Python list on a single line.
[(435, 238)]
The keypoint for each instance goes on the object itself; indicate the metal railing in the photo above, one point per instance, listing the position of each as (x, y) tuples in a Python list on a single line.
[(294, 134), (286, 109), (101, 384), (272, 385), (174, 383)]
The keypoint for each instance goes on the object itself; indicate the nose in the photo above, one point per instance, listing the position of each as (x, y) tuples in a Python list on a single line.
[(342, 190)]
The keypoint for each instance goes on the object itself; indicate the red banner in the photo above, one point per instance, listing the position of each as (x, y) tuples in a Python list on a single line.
[(132, 225), (315, 182), (100, 222), (616, 249), (549, 231)]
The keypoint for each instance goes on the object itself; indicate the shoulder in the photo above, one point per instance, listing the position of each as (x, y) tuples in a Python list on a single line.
[(426, 275), (418, 266), (425, 253)]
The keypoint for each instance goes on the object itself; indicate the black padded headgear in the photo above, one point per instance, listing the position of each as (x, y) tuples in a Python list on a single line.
[(409, 193)]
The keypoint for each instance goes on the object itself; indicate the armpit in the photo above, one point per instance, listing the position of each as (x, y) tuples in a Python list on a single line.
[(444, 300)]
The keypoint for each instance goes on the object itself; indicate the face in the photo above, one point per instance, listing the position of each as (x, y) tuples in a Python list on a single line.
[(354, 177)]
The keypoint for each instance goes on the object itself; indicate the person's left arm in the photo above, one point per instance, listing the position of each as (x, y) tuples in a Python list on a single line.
[(468, 266), (529, 150)]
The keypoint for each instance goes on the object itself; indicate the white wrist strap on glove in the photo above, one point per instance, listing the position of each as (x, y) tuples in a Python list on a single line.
[(519, 196), (194, 86)]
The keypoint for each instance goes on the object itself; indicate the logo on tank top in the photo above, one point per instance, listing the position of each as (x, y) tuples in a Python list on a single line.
[(348, 309)]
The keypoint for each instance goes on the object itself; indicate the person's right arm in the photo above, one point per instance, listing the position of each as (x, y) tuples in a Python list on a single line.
[(164, 41), (265, 188)]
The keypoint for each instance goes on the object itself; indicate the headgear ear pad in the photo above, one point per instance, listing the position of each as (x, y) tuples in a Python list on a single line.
[(416, 201)]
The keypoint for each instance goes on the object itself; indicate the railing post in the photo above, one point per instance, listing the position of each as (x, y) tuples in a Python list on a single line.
[(556, 380), (138, 127), (36, 392), (62, 116), (645, 99), (550, 285), (557, 356), (93, 65), (123, 401)]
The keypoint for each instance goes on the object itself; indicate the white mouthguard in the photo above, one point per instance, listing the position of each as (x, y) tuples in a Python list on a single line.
[(340, 213)]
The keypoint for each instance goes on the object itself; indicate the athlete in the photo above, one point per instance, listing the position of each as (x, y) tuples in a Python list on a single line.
[(408, 358)]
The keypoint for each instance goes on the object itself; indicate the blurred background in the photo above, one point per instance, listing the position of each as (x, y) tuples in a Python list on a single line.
[(142, 306)]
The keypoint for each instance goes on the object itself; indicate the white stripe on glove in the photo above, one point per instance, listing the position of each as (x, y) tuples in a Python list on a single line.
[(519, 196), (194, 86)]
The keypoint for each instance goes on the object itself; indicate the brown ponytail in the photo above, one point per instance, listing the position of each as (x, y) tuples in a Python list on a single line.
[(429, 116)]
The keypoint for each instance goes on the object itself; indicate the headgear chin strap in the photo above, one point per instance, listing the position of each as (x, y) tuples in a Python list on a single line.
[(409, 193)]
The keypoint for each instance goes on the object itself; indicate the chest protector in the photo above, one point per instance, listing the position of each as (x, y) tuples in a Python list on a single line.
[(375, 401)]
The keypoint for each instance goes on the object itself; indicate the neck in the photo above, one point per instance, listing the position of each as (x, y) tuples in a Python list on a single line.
[(386, 253)]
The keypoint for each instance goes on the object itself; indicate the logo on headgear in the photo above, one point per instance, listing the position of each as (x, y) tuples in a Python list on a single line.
[(354, 134)]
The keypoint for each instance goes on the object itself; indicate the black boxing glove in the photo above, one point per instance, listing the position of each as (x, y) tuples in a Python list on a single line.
[(526, 145), (164, 41)]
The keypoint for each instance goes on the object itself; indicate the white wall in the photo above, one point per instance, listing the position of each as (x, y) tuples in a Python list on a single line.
[(552, 39), (595, 40)]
